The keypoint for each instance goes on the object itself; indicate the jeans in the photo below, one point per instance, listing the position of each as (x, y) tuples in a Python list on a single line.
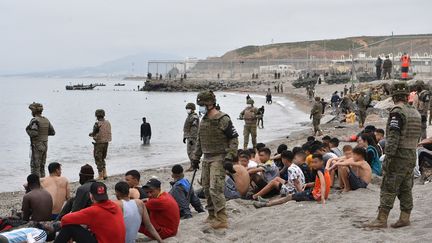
[(75, 232), (180, 195)]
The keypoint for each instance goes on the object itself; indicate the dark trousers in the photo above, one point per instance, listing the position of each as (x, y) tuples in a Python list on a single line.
[(75, 232), (180, 195), (378, 72)]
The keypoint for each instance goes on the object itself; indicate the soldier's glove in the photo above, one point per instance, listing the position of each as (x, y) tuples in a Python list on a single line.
[(184, 140), (228, 166), (195, 164)]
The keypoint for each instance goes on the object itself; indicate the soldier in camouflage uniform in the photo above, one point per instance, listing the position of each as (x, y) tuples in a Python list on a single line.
[(430, 113), (190, 131), (38, 130), (403, 133), (102, 136), (250, 115), (218, 141), (422, 105), (316, 114), (362, 105)]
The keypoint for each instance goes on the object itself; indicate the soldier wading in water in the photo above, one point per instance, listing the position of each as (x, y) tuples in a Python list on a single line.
[(218, 142)]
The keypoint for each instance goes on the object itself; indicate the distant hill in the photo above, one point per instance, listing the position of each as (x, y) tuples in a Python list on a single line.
[(334, 48)]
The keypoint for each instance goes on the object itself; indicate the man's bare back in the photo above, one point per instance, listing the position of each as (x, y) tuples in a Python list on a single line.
[(58, 187), (241, 179), (363, 170)]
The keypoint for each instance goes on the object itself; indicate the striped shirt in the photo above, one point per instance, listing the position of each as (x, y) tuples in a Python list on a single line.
[(20, 235)]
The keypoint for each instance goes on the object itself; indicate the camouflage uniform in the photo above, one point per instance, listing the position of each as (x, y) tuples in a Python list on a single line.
[(362, 106), (190, 130), (218, 141), (250, 115), (38, 130), (316, 114), (403, 133), (102, 136), (422, 107), (430, 113)]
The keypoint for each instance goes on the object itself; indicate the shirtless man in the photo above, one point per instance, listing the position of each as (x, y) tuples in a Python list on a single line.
[(57, 186), (37, 204), (355, 173), (132, 178), (237, 184)]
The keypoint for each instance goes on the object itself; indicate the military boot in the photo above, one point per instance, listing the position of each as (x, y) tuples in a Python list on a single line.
[(210, 218), (381, 220), (100, 176), (105, 176), (221, 221), (404, 220)]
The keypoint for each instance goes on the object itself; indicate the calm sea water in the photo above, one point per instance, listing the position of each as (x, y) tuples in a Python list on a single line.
[(72, 115)]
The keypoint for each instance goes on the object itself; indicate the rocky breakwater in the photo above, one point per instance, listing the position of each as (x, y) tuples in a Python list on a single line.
[(195, 85)]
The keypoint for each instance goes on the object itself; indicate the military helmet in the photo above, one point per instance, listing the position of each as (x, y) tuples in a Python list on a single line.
[(206, 98), (250, 101), (400, 88), (100, 113), (190, 106), (36, 107)]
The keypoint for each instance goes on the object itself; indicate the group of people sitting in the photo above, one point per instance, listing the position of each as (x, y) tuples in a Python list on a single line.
[(50, 213)]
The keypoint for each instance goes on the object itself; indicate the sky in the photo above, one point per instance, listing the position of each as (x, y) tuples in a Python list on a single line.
[(58, 34)]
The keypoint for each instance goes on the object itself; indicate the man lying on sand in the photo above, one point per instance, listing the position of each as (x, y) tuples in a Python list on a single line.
[(315, 191)]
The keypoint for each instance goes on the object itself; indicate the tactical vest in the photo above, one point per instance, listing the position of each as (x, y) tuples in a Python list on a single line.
[(317, 110), (250, 115), (411, 130), (211, 135), (43, 128), (190, 130), (104, 134)]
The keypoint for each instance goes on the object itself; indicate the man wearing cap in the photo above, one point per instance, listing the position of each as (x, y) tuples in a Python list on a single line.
[(190, 131), (102, 136), (218, 141), (403, 133), (38, 130), (104, 219), (163, 210)]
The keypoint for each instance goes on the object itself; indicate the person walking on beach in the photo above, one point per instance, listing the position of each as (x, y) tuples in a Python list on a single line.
[(269, 97), (316, 114), (145, 131), (250, 115), (38, 130), (403, 133), (218, 141), (101, 135), (261, 116), (190, 131)]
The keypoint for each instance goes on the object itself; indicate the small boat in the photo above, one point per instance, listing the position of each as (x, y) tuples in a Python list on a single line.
[(80, 87), (99, 84), (119, 84)]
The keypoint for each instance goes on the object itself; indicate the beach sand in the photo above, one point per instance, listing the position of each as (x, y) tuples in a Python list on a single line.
[(337, 221)]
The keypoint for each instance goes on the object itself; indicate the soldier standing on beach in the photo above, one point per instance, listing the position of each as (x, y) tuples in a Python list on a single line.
[(362, 106), (38, 130), (190, 131), (102, 136), (218, 141), (403, 133), (422, 105), (316, 114), (250, 115)]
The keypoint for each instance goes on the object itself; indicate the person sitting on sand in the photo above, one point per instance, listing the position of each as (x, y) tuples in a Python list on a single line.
[(257, 149), (324, 150), (347, 154), (334, 147), (103, 218), (22, 235), (315, 191), (132, 178), (163, 210), (326, 140), (367, 141), (134, 213), (294, 182), (355, 173), (380, 138), (237, 184), (180, 191), (300, 161), (37, 203), (265, 172), (57, 186)]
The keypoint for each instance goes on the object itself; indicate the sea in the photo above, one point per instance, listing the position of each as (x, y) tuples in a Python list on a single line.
[(72, 115)]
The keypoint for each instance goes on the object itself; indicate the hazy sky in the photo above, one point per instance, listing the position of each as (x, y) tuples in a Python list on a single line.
[(54, 34)]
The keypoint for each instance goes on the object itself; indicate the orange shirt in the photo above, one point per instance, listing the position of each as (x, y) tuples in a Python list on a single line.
[(309, 160), (316, 192)]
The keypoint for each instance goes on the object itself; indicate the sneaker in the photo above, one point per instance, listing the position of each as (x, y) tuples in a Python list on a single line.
[(259, 204), (260, 199)]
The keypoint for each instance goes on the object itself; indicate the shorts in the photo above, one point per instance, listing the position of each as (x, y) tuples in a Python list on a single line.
[(303, 196), (283, 190), (355, 181), (230, 190)]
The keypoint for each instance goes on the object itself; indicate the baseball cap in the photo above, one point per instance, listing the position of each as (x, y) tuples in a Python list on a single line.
[(152, 183), (99, 191)]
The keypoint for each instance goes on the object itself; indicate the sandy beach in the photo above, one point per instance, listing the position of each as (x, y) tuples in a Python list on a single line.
[(337, 221)]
